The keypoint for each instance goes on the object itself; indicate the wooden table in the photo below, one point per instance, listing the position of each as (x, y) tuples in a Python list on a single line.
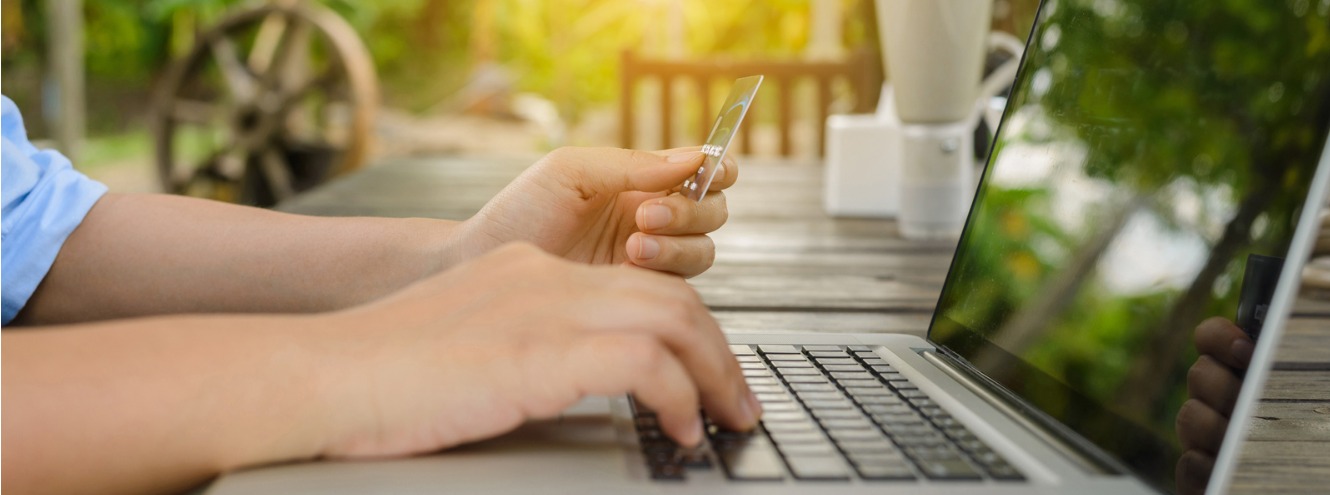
[(783, 265)]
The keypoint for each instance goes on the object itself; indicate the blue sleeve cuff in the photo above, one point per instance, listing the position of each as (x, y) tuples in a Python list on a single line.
[(38, 226)]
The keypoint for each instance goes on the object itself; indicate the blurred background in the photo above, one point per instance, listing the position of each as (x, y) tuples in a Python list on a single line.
[(454, 76)]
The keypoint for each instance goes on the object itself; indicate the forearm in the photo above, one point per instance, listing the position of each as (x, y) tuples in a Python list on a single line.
[(137, 255), (157, 405)]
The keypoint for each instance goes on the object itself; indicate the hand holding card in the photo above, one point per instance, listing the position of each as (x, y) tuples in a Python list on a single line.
[(722, 132)]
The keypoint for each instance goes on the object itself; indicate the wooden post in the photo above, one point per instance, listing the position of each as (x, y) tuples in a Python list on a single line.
[(65, 25)]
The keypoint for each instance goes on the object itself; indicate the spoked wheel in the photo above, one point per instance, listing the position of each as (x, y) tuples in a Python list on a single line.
[(270, 102)]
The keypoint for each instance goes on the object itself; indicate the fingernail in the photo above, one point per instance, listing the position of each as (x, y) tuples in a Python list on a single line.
[(656, 216), (647, 247), (696, 428), (1242, 350), (686, 156), (752, 409), (720, 172)]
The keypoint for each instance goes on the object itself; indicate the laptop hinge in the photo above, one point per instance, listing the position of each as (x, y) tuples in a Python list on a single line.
[(1083, 456)]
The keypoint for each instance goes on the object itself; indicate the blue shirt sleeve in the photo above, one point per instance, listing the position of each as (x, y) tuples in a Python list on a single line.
[(44, 200)]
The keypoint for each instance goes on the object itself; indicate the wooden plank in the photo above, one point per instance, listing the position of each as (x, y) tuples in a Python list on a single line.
[(1291, 422), (1306, 344), (1283, 467), (803, 321), (1305, 386)]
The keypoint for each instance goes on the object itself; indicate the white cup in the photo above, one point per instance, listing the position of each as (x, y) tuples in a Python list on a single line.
[(934, 53)]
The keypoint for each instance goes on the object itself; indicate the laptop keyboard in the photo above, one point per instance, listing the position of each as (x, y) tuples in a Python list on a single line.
[(830, 413)]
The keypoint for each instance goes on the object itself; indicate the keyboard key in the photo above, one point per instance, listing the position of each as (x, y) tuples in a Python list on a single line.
[(843, 367), (879, 391), (859, 348), (783, 438), (781, 406), (823, 414), (888, 407), (955, 469), (748, 359), (865, 383), (884, 471), (778, 416), (792, 379), (828, 404), (761, 373), (798, 371), (875, 361), (785, 357), (865, 447), (879, 457), (847, 424), (790, 426), (828, 361), (924, 403), (924, 440), (829, 354), (742, 350), (853, 375), (810, 448), (752, 366), (813, 387), (895, 421), (1005, 472), (883, 368), (820, 348), (777, 349), (780, 365), (912, 394), (767, 389), (666, 472), (694, 458), (856, 435), (817, 467), (807, 396), (762, 380), (780, 397), (886, 400), (750, 460)]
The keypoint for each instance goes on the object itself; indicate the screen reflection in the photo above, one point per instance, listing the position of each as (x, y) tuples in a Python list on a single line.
[(1150, 148)]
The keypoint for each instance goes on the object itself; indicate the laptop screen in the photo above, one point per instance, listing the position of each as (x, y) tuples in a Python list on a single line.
[(1149, 149)]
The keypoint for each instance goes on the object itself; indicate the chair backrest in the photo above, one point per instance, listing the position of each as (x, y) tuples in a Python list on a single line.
[(861, 70)]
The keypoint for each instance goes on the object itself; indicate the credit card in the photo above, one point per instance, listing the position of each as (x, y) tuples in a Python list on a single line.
[(722, 132)]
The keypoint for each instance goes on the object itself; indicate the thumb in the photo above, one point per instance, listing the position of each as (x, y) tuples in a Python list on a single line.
[(614, 170)]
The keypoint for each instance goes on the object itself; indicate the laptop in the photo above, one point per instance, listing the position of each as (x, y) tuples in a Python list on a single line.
[(1158, 163)]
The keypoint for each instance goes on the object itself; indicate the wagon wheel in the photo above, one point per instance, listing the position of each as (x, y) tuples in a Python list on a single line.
[(270, 102)]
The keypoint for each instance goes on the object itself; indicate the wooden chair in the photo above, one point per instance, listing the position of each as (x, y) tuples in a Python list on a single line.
[(862, 70)]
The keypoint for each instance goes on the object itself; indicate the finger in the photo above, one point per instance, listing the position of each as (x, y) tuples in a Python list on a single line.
[(676, 315), (726, 175), (610, 363), (1223, 340), (1200, 427), (687, 256), (676, 214), (611, 170), (1193, 472), (1214, 384)]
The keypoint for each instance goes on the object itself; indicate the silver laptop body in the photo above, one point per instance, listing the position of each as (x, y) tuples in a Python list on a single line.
[(1151, 150)]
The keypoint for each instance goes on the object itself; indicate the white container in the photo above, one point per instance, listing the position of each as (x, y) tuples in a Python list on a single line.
[(861, 175), (934, 52), (937, 179)]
